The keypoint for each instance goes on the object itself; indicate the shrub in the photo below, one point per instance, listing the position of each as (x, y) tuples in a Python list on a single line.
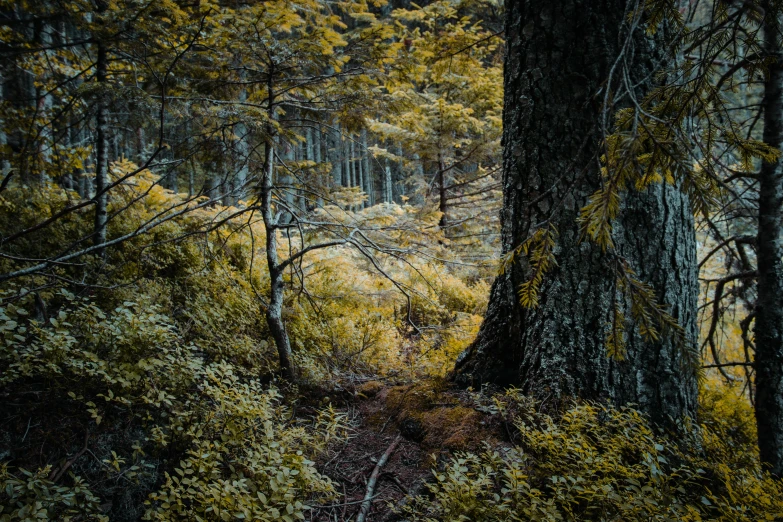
[(599, 463)]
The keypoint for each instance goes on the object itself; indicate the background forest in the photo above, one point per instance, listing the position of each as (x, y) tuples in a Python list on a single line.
[(268, 260)]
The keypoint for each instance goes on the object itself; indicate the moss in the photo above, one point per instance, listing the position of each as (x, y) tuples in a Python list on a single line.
[(443, 421), (454, 428), (369, 389)]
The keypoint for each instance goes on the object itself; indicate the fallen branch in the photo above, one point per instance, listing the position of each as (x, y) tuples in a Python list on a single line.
[(56, 475), (368, 496)]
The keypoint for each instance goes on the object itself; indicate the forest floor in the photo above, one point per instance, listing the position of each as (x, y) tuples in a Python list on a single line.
[(432, 421)]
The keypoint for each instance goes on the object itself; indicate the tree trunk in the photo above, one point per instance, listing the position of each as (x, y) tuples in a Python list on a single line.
[(5, 164), (101, 151), (44, 112), (388, 189), (398, 178), (442, 201), (559, 54), (769, 308), (346, 154), (369, 183), (360, 179), (274, 312), (318, 144), (242, 153)]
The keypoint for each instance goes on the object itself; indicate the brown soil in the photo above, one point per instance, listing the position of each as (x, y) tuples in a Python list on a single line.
[(435, 421)]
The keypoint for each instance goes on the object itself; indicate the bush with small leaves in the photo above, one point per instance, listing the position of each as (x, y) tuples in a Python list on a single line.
[(595, 462)]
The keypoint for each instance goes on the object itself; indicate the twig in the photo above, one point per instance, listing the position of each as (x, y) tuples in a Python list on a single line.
[(55, 476), (345, 503), (368, 497), (393, 478), (28, 428), (323, 506), (728, 364), (384, 424)]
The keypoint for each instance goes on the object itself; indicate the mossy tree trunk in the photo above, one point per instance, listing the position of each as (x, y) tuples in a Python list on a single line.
[(560, 54)]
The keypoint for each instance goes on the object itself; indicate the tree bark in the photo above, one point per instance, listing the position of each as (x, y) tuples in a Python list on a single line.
[(388, 190), (769, 308), (274, 312), (5, 164), (242, 148), (336, 159), (101, 150), (369, 182), (559, 55), (442, 201)]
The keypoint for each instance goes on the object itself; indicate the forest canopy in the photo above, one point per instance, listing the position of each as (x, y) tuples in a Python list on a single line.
[(384, 260)]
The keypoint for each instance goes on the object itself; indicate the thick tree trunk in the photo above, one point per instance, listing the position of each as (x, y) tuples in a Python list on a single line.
[(769, 309), (559, 55)]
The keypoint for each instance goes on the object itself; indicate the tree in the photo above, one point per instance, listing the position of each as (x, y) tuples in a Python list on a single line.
[(769, 243), (554, 311), (445, 108)]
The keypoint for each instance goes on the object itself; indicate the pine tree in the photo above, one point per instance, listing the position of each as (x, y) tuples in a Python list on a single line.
[(566, 294), (769, 243)]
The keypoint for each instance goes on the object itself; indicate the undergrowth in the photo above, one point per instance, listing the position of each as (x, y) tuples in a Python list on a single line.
[(144, 385), (593, 462)]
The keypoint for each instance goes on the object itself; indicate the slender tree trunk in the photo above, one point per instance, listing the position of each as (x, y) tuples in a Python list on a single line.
[(360, 179), (349, 173), (101, 150), (317, 145), (289, 182), (769, 309), (140, 145), (44, 111), (559, 54), (274, 312), (5, 164), (400, 177), (352, 161), (369, 183), (337, 161), (442, 202), (191, 179), (240, 179), (388, 191), (416, 197)]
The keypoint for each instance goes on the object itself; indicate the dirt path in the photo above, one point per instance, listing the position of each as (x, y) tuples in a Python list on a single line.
[(434, 420)]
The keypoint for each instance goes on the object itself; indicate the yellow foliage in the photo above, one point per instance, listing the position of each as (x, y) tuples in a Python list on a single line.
[(600, 463)]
